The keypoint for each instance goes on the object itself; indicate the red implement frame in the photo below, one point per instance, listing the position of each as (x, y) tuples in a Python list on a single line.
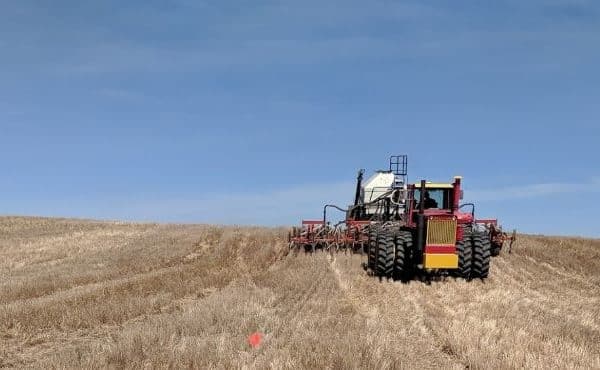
[(497, 236), (315, 234)]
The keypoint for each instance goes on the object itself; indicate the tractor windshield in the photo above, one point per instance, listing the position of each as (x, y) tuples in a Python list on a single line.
[(438, 198)]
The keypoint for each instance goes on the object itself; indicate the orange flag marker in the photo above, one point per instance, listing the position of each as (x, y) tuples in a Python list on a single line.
[(255, 339)]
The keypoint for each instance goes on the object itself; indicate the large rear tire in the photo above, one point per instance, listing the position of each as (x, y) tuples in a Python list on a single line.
[(481, 255), (372, 248), (385, 253), (464, 249), (402, 262)]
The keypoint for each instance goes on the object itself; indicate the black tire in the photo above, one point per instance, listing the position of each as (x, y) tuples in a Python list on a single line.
[(385, 253), (496, 249), (402, 262), (464, 249), (372, 248), (481, 255)]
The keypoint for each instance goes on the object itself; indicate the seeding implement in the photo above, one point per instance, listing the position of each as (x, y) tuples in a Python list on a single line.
[(405, 228)]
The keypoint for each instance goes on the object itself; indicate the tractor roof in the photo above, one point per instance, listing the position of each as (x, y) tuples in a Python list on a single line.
[(434, 185)]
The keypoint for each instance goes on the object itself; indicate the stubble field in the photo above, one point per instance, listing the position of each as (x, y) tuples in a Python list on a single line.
[(99, 294)]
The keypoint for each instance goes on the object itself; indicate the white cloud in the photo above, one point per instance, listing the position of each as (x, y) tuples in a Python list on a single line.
[(533, 190), (287, 205), (276, 207)]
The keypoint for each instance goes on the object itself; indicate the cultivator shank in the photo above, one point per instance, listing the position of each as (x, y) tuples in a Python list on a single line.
[(497, 236), (318, 234)]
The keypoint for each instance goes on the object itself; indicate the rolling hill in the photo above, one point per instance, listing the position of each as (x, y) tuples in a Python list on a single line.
[(106, 294)]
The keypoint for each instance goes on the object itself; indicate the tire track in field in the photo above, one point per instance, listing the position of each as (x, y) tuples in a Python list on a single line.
[(395, 309), (543, 298), (345, 288), (464, 324), (98, 286), (291, 313), (417, 295)]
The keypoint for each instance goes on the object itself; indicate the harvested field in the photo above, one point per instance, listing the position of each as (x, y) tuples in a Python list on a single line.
[(99, 294)]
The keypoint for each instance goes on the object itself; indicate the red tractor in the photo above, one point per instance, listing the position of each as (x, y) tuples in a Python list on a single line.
[(405, 228), (435, 234)]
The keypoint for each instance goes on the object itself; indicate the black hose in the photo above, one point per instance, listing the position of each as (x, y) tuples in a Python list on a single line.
[(325, 211), (472, 210), (374, 201)]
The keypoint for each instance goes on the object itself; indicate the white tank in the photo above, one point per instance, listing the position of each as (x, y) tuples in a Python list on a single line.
[(379, 184), (376, 185)]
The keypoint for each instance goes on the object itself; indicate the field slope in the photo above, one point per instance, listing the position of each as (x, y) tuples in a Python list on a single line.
[(99, 294)]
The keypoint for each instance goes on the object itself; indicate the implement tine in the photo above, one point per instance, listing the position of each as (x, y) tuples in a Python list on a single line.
[(513, 238)]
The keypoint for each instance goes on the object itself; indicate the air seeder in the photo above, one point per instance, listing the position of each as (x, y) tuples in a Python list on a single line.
[(405, 228)]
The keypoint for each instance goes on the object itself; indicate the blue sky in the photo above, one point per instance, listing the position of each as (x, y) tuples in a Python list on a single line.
[(259, 112)]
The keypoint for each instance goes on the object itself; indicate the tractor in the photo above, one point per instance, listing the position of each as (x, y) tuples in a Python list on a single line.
[(407, 228)]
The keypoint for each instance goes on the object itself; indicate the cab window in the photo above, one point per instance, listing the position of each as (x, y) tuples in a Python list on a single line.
[(441, 197)]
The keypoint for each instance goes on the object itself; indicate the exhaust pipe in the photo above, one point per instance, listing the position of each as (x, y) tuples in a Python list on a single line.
[(421, 220)]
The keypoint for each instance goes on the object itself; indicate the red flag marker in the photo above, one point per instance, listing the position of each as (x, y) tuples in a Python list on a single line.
[(255, 339)]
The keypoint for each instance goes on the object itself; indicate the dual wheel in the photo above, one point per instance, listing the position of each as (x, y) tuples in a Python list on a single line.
[(474, 253), (389, 254)]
